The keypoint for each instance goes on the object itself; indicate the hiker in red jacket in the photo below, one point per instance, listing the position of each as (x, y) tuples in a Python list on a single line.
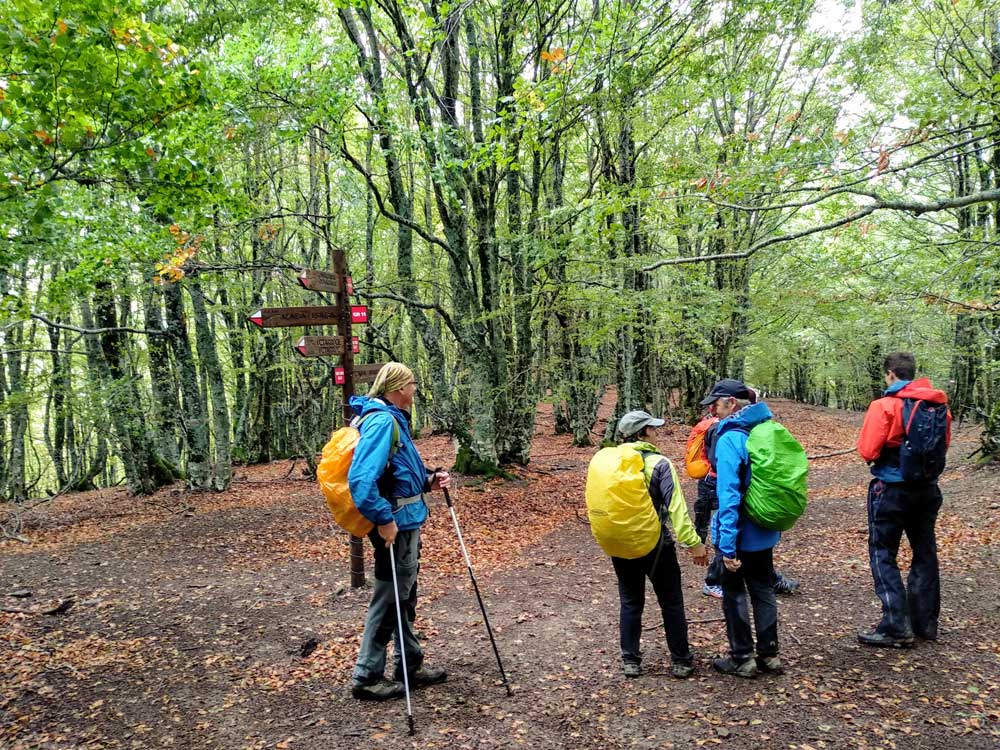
[(901, 499)]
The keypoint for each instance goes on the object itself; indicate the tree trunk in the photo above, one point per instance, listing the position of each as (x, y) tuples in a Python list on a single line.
[(222, 469), (145, 470)]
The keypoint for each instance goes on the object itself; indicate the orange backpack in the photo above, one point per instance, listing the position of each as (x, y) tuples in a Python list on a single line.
[(332, 475), (695, 456)]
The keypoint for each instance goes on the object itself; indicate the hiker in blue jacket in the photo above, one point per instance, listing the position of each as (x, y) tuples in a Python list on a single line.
[(388, 480), (746, 548)]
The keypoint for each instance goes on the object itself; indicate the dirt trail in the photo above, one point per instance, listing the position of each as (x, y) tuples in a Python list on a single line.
[(191, 613)]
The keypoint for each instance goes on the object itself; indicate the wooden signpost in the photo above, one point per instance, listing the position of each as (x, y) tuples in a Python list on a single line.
[(342, 315)]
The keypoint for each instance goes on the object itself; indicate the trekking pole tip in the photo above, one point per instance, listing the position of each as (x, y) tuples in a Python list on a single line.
[(413, 730)]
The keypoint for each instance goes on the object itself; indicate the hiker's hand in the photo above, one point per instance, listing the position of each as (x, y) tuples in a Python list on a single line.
[(440, 480), (699, 555), (388, 532), (732, 564)]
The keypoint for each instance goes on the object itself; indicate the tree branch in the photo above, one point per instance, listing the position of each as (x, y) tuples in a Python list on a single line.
[(65, 327), (384, 210), (879, 203)]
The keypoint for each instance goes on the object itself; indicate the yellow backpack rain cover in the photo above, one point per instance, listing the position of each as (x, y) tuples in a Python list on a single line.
[(332, 475), (622, 517)]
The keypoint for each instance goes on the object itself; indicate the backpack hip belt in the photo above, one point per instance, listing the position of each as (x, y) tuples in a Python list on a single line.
[(402, 502)]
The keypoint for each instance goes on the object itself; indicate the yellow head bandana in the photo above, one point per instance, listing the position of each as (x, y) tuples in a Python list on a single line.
[(392, 377)]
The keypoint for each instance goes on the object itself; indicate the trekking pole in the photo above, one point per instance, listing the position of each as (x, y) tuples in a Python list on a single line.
[(475, 586), (402, 648)]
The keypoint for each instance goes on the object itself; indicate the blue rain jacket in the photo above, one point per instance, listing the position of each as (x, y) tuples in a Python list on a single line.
[(373, 483), (731, 530)]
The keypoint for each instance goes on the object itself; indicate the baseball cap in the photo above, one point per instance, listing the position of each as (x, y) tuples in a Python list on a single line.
[(728, 387), (633, 421)]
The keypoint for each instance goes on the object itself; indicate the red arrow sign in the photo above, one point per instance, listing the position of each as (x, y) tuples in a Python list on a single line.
[(325, 346), (359, 314), (278, 317), (323, 281)]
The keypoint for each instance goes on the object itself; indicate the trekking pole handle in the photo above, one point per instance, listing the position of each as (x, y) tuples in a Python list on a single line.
[(447, 495)]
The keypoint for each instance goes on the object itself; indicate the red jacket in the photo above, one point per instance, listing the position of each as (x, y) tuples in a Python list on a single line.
[(883, 426)]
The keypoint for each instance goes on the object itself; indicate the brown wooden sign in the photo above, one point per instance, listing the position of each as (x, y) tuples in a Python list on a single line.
[(323, 281), (325, 346), (362, 373), (280, 317)]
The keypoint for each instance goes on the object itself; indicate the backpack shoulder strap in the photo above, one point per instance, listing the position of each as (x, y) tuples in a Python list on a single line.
[(396, 433)]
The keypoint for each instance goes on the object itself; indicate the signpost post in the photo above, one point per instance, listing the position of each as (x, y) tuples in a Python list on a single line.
[(343, 315)]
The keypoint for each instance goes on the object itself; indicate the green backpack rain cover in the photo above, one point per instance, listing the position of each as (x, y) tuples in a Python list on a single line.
[(776, 496)]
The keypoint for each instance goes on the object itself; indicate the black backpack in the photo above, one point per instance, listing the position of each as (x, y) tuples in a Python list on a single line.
[(925, 432)]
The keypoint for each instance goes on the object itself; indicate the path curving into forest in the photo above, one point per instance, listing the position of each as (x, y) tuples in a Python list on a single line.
[(190, 616)]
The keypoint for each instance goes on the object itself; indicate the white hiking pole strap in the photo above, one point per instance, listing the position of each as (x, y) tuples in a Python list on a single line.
[(402, 648), (475, 587)]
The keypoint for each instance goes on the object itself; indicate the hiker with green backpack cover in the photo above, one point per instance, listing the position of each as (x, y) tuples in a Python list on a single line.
[(761, 489)]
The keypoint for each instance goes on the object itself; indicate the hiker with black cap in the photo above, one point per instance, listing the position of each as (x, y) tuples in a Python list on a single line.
[(746, 548), (657, 560)]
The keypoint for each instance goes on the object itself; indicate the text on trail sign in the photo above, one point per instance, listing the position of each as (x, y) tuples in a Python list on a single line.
[(325, 346), (279, 317), (362, 373), (359, 314), (323, 281)]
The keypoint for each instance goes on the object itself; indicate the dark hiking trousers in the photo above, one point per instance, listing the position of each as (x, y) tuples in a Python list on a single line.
[(705, 502), (666, 580), (895, 508), (754, 581)]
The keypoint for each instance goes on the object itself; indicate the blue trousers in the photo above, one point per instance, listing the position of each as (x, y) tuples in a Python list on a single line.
[(895, 509)]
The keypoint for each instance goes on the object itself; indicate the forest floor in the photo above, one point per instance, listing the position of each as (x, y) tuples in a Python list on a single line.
[(185, 618)]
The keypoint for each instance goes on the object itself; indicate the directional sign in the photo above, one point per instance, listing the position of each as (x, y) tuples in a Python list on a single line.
[(362, 373), (325, 346), (323, 281), (278, 317), (359, 314)]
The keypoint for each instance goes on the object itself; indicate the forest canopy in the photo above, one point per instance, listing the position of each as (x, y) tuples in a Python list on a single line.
[(536, 199)]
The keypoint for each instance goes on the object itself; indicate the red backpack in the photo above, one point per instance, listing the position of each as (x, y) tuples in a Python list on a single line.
[(695, 456)]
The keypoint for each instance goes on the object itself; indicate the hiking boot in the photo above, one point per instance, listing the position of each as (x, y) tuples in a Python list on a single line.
[(713, 591), (929, 635), (875, 638), (726, 665), (380, 690), (423, 675), (770, 664), (681, 671), (784, 585), (631, 669)]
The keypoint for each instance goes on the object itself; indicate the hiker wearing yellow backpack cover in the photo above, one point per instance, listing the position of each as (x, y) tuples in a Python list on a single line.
[(388, 480), (630, 488)]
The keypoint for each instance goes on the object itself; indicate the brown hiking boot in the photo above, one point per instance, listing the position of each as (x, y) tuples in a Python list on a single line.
[(381, 690), (423, 675), (882, 640), (770, 664), (726, 665)]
